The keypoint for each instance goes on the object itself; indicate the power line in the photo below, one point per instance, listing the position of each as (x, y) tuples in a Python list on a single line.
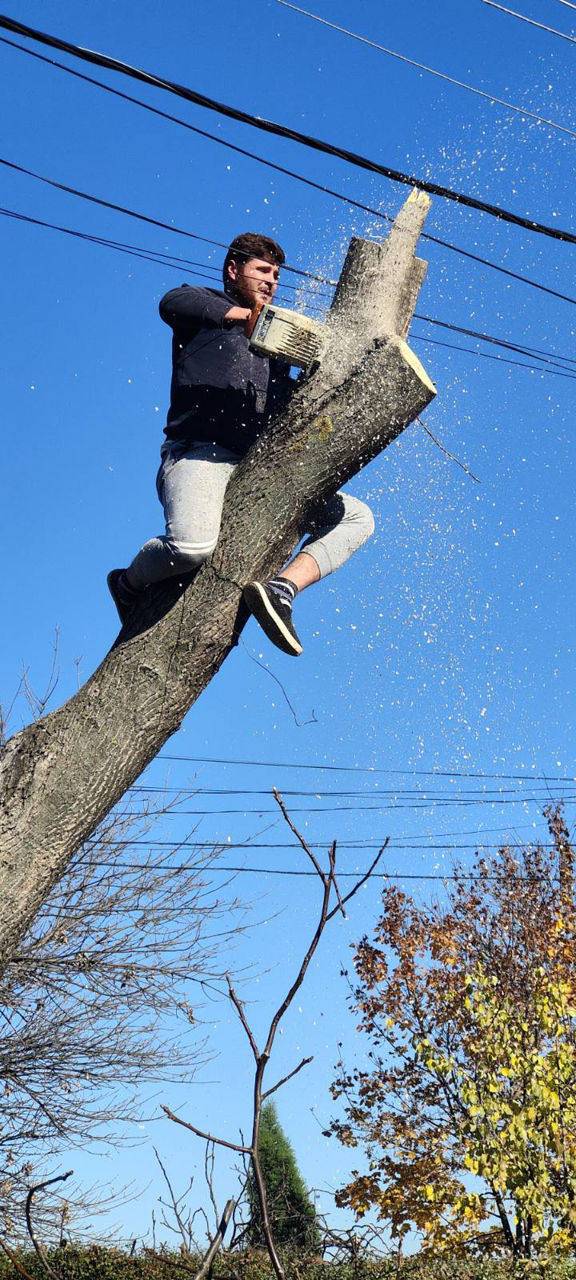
[(391, 807), (344, 768), (501, 342), (340, 875), (173, 262), (522, 16), (141, 217), (357, 845), (534, 352), (568, 4), (294, 135), (291, 173), (485, 355), (481, 93)]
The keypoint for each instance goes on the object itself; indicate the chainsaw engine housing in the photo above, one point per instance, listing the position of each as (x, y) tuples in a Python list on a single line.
[(288, 336)]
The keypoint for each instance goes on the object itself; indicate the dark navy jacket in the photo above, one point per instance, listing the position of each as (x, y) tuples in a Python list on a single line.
[(221, 391)]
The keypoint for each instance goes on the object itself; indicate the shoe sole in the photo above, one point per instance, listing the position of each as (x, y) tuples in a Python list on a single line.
[(259, 605)]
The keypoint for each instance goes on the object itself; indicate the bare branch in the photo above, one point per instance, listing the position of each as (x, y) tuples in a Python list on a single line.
[(332, 858), (285, 1079), (362, 880), (443, 449), (239, 1007), (329, 882), (298, 834), (175, 1204), (208, 1137), (217, 1241), (41, 1186)]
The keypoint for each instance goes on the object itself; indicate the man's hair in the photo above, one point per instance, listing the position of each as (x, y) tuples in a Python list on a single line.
[(251, 245)]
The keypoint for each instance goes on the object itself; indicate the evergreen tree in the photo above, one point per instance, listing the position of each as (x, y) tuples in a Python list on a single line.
[(290, 1209)]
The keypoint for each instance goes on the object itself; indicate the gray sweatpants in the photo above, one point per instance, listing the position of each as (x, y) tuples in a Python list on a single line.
[(191, 485)]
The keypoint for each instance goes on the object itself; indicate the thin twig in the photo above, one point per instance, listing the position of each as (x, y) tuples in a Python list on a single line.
[(175, 1202), (329, 882), (299, 836), (209, 1178), (239, 1007), (300, 724), (443, 448)]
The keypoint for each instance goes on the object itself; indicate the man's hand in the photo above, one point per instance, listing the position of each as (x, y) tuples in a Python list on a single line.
[(237, 315), (245, 316)]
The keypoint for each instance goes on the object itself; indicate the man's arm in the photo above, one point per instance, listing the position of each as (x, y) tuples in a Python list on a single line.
[(197, 306)]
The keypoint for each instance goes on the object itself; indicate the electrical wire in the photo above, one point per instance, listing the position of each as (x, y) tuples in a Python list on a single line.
[(340, 875), (568, 3), (312, 810), (141, 217), (485, 355), (174, 262), (344, 768), (294, 135), (291, 173), (377, 792), (531, 21), (481, 93), (501, 342), (358, 845)]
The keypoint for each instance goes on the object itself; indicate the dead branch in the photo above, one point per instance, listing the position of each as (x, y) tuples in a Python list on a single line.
[(41, 1186), (217, 1241), (329, 884), (208, 1137)]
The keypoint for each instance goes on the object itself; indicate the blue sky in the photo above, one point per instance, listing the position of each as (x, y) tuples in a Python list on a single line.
[(446, 644)]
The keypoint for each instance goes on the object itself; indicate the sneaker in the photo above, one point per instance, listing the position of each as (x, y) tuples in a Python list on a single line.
[(272, 608), (123, 595)]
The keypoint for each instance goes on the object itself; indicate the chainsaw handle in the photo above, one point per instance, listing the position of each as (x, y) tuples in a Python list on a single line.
[(250, 324)]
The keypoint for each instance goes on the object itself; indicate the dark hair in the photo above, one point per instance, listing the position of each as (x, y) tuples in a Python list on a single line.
[(251, 245)]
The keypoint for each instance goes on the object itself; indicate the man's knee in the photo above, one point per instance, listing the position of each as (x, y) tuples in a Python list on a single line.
[(359, 518), (189, 555)]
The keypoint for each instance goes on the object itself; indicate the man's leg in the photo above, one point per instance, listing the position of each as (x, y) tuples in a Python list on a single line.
[(191, 487), (340, 526)]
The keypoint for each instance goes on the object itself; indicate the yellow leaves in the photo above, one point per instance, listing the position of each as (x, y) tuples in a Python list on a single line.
[(473, 1095)]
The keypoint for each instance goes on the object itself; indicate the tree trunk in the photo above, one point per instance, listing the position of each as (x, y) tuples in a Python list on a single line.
[(60, 776)]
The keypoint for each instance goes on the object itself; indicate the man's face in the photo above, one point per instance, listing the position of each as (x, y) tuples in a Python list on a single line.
[(254, 281)]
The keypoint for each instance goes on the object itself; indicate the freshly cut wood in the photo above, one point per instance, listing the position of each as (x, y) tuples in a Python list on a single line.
[(61, 776)]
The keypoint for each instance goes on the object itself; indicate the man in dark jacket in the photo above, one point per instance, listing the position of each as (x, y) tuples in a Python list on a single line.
[(222, 397)]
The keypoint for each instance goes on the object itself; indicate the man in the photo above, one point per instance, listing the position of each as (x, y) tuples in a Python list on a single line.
[(222, 397)]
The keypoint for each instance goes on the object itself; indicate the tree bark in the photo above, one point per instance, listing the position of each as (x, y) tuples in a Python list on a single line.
[(61, 775)]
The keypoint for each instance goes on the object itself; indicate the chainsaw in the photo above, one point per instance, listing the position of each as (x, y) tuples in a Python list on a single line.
[(286, 335)]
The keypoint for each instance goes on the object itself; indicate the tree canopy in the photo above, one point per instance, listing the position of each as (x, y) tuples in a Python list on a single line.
[(467, 1109)]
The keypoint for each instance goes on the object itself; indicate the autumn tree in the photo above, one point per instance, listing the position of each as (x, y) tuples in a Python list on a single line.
[(467, 1110), (292, 1214)]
